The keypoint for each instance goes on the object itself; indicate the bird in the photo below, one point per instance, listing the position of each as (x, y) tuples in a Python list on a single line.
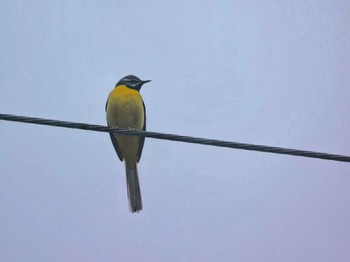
[(125, 109)]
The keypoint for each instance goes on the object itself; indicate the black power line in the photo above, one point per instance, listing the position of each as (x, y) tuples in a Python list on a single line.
[(187, 139)]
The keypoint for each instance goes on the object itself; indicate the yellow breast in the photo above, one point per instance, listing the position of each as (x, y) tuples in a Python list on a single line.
[(125, 108)]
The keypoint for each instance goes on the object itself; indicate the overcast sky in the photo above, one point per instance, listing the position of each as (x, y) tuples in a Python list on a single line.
[(264, 72)]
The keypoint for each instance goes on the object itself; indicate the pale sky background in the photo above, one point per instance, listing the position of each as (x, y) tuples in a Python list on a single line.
[(264, 72)]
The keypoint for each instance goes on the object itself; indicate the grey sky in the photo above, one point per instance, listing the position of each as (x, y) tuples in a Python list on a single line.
[(271, 72)]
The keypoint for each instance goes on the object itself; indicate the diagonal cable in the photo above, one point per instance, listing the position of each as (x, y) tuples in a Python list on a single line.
[(172, 137)]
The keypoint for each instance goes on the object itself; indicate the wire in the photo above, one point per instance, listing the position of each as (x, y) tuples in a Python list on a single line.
[(172, 137)]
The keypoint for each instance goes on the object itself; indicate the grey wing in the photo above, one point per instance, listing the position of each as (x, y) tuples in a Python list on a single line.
[(115, 142), (116, 146), (142, 138)]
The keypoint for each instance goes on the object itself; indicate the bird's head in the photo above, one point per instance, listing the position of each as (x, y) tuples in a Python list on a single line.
[(132, 82)]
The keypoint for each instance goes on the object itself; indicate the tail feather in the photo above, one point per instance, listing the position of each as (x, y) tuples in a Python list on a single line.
[(134, 193)]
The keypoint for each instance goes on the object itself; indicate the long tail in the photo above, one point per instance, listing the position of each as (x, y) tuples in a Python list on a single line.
[(134, 193)]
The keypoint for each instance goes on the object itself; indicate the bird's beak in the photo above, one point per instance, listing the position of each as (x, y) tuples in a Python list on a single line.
[(145, 81)]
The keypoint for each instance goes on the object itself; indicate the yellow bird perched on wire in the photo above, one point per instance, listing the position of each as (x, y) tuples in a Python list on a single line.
[(125, 109)]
